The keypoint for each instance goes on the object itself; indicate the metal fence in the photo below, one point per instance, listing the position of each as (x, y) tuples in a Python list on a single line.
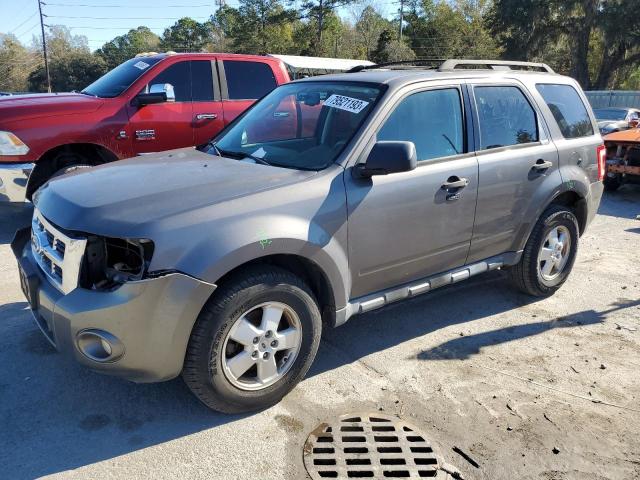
[(613, 98)]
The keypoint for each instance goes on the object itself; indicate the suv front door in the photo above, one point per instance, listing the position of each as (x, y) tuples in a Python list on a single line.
[(518, 167), (406, 226)]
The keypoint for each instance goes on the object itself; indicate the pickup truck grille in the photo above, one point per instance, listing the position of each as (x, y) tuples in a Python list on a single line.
[(58, 254)]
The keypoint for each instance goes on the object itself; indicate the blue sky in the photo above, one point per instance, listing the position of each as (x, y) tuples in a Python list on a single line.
[(106, 18)]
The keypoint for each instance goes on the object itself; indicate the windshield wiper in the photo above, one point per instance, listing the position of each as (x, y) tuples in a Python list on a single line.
[(83, 92), (239, 155)]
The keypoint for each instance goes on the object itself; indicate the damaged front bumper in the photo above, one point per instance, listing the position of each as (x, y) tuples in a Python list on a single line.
[(13, 181), (138, 331)]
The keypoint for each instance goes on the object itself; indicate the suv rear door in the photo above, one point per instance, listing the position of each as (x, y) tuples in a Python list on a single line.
[(406, 226), (518, 165)]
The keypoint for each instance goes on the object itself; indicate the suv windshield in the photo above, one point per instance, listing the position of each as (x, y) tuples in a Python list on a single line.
[(610, 114), (116, 81), (299, 125)]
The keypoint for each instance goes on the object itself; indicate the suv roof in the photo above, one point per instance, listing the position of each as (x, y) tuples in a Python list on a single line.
[(397, 73)]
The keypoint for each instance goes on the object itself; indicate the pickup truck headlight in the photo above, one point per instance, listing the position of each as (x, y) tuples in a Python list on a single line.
[(12, 145), (110, 262)]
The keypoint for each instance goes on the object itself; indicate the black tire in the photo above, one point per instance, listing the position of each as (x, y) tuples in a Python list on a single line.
[(611, 184), (202, 370), (63, 162), (526, 274)]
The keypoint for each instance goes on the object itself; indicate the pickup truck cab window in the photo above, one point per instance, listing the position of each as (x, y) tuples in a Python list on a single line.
[(568, 110), (506, 117), (248, 80), (327, 115), (432, 120), (178, 75), (120, 78)]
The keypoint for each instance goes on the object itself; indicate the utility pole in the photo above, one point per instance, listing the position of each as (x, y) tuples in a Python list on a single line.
[(44, 47), (401, 19)]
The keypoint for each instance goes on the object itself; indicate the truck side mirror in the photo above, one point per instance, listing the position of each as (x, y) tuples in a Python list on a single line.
[(388, 157), (158, 93)]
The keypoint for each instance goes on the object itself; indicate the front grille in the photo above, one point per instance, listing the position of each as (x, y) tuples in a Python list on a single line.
[(58, 254)]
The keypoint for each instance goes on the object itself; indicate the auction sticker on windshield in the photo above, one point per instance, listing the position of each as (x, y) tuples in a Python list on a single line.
[(349, 104), (141, 65)]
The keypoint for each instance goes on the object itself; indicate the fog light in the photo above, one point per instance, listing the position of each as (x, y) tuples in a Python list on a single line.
[(99, 346)]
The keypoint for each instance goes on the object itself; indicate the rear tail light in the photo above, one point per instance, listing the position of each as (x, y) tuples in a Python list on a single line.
[(601, 154)]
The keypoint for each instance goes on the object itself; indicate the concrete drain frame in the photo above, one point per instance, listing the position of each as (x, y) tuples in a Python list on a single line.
[(369, 445)]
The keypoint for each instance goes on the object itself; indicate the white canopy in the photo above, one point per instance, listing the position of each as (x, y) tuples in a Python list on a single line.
[(299, 65)]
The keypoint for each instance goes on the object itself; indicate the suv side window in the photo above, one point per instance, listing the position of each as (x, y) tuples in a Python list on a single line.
[(248, 80), (568, 110), (506, 117), (177, 75), (432, 120)]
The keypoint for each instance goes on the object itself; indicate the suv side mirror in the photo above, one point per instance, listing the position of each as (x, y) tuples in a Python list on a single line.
[(389, 157), (158, 93)]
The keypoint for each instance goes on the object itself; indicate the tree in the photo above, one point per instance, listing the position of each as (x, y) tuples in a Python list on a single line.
[(369, 26), (262, 26), (72, 66), (390, 49), (592, 40), (320, 13), (186, 35), (16, 62), (128, 46)]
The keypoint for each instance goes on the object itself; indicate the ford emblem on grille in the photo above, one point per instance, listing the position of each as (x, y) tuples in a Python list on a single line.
[(37, 246)]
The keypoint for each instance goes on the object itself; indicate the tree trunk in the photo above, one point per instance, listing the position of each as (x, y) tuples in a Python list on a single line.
[(320, 27), (610, 63), (580, 69)]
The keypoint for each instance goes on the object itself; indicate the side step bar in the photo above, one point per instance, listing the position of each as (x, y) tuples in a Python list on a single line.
[(413, 289)]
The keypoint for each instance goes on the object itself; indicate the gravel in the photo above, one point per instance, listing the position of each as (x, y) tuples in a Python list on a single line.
[(509, 380)]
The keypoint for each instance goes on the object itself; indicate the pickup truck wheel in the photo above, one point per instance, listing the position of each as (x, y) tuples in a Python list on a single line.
[(253, 341), (549, 254)]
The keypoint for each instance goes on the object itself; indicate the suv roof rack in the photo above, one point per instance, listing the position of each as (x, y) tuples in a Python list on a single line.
[(453, 64), (433, 62)]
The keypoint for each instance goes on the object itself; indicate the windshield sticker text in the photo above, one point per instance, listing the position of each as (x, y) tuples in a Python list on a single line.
[(141, 65), (349, 104)]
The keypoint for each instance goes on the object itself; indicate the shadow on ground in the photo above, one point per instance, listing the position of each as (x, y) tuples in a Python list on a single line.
[(57, 416), (616, 204), (12, 217)]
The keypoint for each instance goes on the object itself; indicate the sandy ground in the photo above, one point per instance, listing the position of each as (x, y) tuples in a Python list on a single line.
[(504, 377)]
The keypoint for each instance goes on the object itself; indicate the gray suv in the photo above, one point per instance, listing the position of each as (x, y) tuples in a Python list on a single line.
[(332, 196)]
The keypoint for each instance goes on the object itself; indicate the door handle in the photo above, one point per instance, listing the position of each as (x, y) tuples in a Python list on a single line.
[(455, 182), (206, 116), (542, 165)]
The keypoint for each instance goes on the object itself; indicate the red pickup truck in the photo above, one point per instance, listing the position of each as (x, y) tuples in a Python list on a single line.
[(148, 104)]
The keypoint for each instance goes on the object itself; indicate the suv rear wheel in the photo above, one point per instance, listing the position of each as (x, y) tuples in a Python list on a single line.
[(549, 254), (253, 341)]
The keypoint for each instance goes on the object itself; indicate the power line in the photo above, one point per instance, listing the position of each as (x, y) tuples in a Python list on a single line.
[(124, 5), (125, 18), (16, 28)]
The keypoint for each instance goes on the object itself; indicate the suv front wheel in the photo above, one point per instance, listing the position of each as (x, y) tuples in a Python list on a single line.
[(549, 254), (253, 341)]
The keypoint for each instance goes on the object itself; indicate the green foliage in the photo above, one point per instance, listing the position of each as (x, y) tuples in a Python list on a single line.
[(72, 66), (128, 46), (16, 62), (186, 35)]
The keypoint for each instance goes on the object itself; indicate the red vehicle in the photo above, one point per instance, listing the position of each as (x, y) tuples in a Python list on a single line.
[(147, 104)]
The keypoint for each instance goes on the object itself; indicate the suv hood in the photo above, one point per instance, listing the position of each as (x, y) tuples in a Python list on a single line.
[(128, 197), (22, 107)]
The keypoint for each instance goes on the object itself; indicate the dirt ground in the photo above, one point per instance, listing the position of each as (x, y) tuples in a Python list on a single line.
[(529, 389)]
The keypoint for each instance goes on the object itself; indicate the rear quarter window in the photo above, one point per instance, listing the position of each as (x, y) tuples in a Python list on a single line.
[(568, 109)]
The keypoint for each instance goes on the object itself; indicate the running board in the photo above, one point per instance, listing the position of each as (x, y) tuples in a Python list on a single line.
[(419, 287)]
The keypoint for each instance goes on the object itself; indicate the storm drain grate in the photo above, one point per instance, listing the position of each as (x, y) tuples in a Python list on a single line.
[(369, 446)]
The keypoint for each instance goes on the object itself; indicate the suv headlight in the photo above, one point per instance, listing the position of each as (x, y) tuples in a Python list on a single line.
[(12, 145)]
